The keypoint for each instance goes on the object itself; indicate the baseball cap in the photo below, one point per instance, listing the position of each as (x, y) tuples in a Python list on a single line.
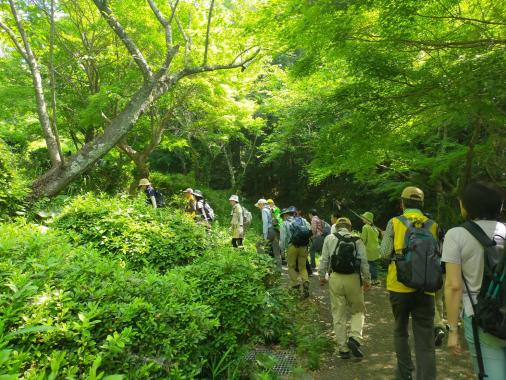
[(412, 192)]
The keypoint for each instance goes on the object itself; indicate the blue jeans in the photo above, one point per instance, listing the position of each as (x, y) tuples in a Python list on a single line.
[(373, 269), (494, 357)]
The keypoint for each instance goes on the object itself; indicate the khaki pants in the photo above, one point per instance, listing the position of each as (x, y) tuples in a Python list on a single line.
[(296, 257), (346, 297)]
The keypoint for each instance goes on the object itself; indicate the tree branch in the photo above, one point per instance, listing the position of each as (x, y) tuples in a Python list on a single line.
[(134, 51), (14, 39), (461, 19), (208, 31), (166, 24)]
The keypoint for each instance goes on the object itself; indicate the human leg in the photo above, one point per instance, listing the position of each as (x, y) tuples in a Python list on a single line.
[(374, 270), (291, 258), (422, 317), (494, 356), (401, 306), (355, 298), (339, 311)]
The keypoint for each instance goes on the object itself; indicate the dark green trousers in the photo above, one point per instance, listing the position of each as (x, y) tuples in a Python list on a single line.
[(420, 307)]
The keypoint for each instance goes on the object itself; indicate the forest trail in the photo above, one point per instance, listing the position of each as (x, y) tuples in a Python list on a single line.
[(379, 361)]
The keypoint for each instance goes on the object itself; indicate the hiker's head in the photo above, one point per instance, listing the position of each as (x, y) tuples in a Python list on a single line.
[(290, 211), (343, 223), (233, 199), (481, 201), (271, 203), (412, 197), (367, 217), (313, 212), (334, 217), (144, 183), (198, 194), (261, 203), (188, 193)]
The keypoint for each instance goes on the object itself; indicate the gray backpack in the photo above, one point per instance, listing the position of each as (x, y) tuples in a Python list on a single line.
[(419, 265)]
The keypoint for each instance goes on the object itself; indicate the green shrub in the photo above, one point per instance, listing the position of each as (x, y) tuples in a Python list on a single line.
[(87, 306), (134, 232), (13, 188)]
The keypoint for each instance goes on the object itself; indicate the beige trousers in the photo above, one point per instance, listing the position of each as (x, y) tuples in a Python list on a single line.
[(296, 257), (346, 298)]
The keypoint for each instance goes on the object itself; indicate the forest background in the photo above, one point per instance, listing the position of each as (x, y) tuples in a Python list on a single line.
[(307, 102)]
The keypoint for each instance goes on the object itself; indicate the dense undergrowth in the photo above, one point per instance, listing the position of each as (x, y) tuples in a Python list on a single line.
[(114, 287)]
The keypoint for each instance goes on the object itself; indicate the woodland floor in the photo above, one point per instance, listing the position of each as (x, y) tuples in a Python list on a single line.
[(379, 357)]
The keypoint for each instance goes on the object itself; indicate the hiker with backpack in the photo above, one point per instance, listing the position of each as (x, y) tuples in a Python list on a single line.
[(414, 274), (270, 238), (204, 211), (370, 236), (317, 227), (295, 234), (475, 256), (191, 203), (344, 259), (153, 197), (237, 222)]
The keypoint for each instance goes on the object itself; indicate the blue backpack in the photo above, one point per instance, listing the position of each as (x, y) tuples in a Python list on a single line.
[(419, 265), (300, 233)]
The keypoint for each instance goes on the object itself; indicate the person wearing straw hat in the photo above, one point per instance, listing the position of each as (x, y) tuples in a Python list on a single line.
[(145, 185), (344, 260), (237, 222), (370, 236)]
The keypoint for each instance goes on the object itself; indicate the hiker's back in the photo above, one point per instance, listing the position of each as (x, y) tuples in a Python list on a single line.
[(397, 282)]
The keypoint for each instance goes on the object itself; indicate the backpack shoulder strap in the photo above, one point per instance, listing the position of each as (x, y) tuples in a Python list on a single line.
[(477, 232)]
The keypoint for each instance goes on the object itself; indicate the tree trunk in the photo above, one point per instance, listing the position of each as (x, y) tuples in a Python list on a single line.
[(142, 171), (58, 178)]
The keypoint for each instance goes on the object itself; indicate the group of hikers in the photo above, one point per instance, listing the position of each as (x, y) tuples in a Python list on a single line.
[(464, 269)]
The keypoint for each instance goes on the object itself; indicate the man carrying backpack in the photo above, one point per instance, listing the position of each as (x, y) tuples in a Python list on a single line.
[(237, 222), (475, 257), (153, 197), (204, 211), (414, 274), (344, 258), (270, 239), (295, 234), (317, 226)]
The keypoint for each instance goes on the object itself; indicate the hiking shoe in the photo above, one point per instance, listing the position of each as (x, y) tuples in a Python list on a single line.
[(439, 335), (354, 346), (345, 355), (305, 290), (295, 290)]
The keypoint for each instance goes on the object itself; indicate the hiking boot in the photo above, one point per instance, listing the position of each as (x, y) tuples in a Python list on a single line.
[(305, 290), (354, 346), (294, 290), (439, 335), (345, 355)]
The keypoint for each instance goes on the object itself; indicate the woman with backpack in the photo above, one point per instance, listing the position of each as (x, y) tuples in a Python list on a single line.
[(472, 252), (237, 222)]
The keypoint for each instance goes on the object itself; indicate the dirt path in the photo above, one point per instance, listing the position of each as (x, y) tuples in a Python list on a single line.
[(379, 361)]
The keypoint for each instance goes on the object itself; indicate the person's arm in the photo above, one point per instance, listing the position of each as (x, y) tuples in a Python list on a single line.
[(364, 264), (283, 236), (241, 217), (387, 244), (363, 235), (324, 260), (153, 200)]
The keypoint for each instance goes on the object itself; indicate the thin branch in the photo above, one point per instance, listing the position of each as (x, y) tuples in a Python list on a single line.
[(434, 44), (14, 39), (208, 31), (134, 51), (166, 24), (462, 19)]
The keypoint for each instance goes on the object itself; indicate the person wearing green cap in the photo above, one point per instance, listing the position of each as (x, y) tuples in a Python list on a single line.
[(370, 236)]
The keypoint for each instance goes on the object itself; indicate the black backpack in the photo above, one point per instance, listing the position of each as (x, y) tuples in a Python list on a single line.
[(419, 265), (300, 233), (490, 308), (345, 259)]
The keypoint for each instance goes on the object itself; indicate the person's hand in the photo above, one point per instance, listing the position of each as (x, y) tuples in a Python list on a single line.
[(367, 286), (323, 281), (454, 343)]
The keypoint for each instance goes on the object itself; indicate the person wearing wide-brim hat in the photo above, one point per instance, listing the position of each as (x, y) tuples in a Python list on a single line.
[(370, 236), (237, 222), (145, 185), (296, 256)]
